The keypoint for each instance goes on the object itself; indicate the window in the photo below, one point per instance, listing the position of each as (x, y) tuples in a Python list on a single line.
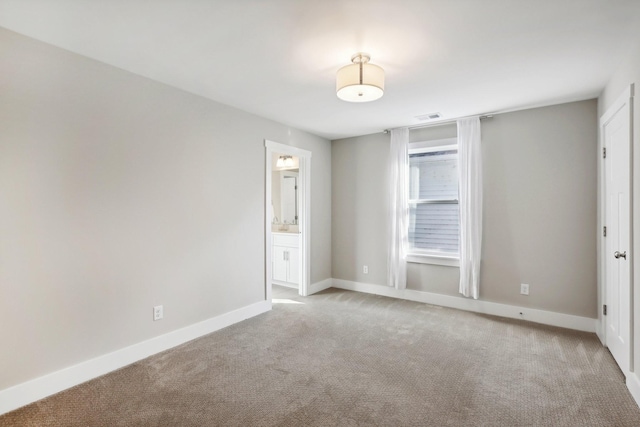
[(434, 224)]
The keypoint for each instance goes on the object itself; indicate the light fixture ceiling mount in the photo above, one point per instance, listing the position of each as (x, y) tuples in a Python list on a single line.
[(360, 81)]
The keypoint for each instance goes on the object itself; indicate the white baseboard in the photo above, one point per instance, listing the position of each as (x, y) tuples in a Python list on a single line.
[(39, 388), (633, 384), (569, 321), (320, 286)]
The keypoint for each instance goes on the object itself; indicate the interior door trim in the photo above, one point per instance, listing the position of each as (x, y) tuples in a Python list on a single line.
[(304, 212)]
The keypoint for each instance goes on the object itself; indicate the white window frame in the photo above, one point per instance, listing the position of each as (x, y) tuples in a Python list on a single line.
[(422, 256)]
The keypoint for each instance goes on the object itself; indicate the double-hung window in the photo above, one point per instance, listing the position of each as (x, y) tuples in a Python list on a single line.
[(434, 224)]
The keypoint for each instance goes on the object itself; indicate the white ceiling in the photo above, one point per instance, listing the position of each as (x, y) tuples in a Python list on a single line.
[(278, 58)]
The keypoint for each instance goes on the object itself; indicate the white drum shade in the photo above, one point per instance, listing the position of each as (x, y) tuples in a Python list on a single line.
[(360, 81)]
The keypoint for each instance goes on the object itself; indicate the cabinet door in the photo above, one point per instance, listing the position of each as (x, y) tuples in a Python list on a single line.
[(280, 263), (294, 265)]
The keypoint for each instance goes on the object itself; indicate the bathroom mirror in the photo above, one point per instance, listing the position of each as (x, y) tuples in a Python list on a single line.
[(289, 197)]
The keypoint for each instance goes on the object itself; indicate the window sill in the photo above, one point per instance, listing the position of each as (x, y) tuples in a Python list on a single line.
[(434, 259)]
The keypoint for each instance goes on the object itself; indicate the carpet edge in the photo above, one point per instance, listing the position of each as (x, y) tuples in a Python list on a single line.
[(33, 390), (569, 321)]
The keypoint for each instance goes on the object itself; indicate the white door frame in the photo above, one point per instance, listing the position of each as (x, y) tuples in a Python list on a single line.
[(625, 99), (304, 211)]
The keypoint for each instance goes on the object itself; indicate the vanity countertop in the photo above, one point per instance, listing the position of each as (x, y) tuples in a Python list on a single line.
[(291, 229)]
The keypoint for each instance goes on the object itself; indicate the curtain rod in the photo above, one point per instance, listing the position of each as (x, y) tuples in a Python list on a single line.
[(441, 123)]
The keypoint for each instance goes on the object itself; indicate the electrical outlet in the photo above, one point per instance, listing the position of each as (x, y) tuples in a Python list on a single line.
[(365, 269), (157, 312), (524, 289)]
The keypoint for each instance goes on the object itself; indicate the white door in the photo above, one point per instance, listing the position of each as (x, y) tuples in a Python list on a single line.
[(616, 139)]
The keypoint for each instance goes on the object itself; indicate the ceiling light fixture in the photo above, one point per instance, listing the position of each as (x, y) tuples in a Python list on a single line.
[(360, 81)]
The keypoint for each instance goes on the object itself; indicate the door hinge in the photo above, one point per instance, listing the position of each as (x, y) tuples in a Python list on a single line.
[(604, 152), (604, 310), (604, 231)]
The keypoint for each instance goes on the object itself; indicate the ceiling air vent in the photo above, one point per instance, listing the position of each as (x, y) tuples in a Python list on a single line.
[(427, 117)]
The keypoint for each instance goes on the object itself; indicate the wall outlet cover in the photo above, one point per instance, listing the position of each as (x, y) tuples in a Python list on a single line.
[(158, 312)]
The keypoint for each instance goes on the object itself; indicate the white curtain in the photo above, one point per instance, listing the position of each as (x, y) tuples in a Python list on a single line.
[(470, 188), (399, 210)]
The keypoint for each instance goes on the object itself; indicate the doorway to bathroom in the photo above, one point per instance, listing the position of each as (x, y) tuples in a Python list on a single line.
[(287, 207)]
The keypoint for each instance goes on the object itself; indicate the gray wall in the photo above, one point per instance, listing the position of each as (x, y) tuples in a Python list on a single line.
[(359, 210), (628, 73), (120, 193), (539, 210)]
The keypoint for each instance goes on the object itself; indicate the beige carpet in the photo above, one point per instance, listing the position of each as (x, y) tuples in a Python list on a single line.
[(349, 359)]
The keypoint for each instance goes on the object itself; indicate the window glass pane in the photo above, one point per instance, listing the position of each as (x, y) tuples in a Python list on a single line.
[(433, 175), (434, 227)]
